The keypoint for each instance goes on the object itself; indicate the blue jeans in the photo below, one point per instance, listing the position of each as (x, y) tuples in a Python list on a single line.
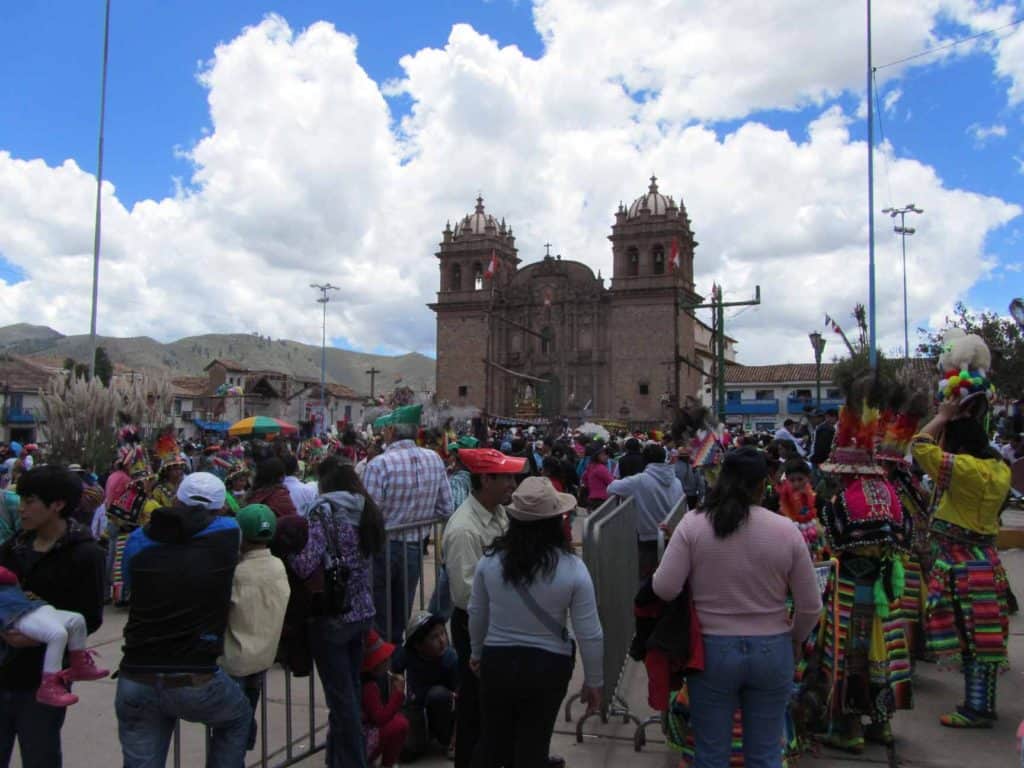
[(402, 561), (338, 652), (754, 674), (146, 716), (37, 727)]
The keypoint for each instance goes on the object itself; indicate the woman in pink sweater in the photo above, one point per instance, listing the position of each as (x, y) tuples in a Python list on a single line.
[(741, 561)]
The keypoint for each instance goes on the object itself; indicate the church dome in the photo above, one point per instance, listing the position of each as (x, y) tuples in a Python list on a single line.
[(654, 202), (479, 222)]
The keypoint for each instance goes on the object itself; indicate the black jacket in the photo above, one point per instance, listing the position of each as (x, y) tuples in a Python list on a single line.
[(823, 437), (68, 577), (178, 570), (631, 464)]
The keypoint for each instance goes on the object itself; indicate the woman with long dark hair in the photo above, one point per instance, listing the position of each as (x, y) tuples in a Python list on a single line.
[(967, 592), (525, 584), (268, 488), (345, 530), (741, 561)]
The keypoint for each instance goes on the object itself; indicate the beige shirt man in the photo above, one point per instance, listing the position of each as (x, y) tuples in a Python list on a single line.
[(259, 597), (472, 528)]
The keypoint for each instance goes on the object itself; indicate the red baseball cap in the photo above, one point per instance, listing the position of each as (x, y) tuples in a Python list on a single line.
[(487, 461)]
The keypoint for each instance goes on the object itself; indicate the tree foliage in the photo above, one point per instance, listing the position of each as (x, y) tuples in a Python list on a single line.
[(104, 367), (1005, 341)]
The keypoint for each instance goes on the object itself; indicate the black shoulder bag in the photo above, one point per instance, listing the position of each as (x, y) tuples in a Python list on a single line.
[(336, 574)]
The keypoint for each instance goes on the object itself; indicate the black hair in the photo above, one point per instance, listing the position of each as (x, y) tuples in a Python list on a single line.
[(967, 436), (529, 549), (552, 466), (632, 445), (796, 467), (268, 472), (787, 422), (739, 485), (291, 464), (336, 475), (518, 445), (350, 438), (50, 483), (654, 454)]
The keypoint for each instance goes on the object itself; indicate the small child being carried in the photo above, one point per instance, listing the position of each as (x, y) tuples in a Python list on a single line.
[(57, 630)]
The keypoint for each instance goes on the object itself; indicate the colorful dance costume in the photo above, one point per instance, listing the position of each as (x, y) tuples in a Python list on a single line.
[(863, 642), (967, 617)]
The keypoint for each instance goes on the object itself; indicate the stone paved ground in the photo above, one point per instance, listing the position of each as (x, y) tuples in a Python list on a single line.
[(90, 736)]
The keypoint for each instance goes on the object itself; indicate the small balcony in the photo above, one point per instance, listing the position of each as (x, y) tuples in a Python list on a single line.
[(19, 416), (751, 407), (798, 406)]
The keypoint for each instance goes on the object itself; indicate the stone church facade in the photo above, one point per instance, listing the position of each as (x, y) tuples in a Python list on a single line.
[(547, 339)]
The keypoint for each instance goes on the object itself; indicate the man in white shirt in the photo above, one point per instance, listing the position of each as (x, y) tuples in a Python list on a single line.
[(302, 494)]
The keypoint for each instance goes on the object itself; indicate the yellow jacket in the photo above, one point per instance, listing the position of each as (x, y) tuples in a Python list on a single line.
[(976, 489)]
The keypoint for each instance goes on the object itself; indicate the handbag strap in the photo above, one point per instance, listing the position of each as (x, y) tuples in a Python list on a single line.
[(553, 626), (330, 534)]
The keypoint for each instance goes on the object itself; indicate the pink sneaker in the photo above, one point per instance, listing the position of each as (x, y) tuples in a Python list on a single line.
[(83, 667), (54, 691)]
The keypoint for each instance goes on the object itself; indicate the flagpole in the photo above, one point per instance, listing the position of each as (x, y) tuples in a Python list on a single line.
[(99, 197), (872, 324)]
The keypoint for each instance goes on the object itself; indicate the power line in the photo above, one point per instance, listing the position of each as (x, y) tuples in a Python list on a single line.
[(952, 44)]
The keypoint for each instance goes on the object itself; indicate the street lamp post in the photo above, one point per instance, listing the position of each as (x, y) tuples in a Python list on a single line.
[(903, 230), (324, 298), (818, 342)]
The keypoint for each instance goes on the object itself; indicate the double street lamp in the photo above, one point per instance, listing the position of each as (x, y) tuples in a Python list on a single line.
[(818, 343), (903, 230)]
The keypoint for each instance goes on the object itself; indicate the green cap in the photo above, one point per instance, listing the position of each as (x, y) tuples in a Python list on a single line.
[(466, 441), (407, 414), (257, 522)]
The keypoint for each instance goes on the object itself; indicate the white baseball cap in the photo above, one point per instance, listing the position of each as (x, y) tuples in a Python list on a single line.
[(202, 489)]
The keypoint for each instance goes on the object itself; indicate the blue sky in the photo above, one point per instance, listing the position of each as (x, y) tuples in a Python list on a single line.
[(157, 109)]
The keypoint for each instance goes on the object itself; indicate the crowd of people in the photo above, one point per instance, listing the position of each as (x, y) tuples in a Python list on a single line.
[(230, 557)]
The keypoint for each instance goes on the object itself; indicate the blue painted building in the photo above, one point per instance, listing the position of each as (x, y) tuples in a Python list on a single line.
[(762, 397)]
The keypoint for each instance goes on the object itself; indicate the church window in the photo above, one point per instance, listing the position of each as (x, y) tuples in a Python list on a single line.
[(478, 277), (547, 341), (632, 261), (658, 254), (463, 390), (645, 388), (457, 277), (586, 339), (516, 341)]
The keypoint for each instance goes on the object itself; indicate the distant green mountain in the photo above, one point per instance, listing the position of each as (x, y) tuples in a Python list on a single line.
[(189, 356)]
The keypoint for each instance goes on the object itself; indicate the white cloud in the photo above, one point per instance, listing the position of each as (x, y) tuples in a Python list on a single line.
[(891, 98), (313, 179), (982, 133)]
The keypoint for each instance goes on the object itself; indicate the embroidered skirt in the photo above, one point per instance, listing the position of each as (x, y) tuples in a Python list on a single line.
[(967, 613)]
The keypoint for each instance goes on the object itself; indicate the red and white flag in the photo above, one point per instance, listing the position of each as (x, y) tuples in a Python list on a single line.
[(674, 262), (493, 267)]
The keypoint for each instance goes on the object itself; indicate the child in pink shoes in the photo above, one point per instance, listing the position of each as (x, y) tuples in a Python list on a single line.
[(58, 631)]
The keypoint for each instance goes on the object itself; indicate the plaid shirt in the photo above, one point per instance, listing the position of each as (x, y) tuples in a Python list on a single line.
[(409, 485)]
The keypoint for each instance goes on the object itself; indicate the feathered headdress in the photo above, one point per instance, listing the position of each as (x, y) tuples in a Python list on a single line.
[(167, 451), (899, 422), (854, 444)]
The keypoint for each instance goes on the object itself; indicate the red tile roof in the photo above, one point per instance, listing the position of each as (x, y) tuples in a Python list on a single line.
[(230, 365), (341, 392), (776, 374), (190, 385), (23, 375)]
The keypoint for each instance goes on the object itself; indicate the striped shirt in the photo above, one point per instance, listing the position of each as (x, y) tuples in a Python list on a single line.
[(409, 485)]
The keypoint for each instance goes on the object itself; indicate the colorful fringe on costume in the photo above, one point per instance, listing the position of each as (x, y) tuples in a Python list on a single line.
[(116, 584), (865, 655), (967, 610)]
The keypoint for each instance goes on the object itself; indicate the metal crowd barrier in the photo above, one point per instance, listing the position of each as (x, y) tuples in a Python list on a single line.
[(299, 746), (610, 554)]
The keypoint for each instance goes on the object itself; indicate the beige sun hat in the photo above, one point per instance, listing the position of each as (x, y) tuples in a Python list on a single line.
[(536, 499)]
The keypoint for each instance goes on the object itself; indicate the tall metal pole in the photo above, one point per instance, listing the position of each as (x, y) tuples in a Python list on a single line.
[(903, 230), (324, 298), (99, 191), (872, 330)]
